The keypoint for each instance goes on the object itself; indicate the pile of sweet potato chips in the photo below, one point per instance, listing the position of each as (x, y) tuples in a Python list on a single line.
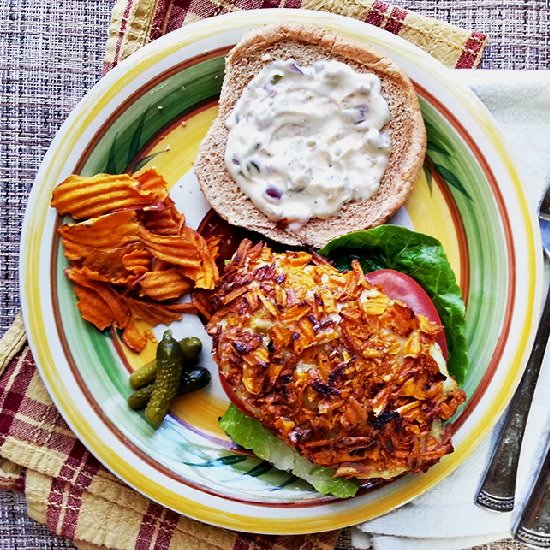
[(131, 255)]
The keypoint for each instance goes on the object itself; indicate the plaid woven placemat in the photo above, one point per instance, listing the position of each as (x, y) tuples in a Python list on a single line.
[(51, 54), (137, 22)]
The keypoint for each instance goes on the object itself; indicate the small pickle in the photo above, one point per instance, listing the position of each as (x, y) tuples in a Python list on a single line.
[(193, 380), (170, 366), (191, 348), (139, 399), (144, 375)]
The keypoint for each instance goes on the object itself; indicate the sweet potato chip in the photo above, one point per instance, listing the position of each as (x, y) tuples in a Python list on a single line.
[(207, 276), (164, 285), (98, 302), (119, 266), (180, 250), (114, 275), (150, 180), (136, 338), (105, 232), (154, 313), (133, 337), (189, 251), (204, 277), (93, 307), (165, 221), (213, 246), (137, 259), (112, 266), (89, 197)]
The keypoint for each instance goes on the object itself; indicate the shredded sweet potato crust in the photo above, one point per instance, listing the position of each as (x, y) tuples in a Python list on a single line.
[(330, 364)]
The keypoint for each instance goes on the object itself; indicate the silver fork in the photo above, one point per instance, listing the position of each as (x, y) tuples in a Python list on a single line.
[(533, 526), (498, 488)]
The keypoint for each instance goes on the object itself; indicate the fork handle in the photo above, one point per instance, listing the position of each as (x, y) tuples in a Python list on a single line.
[(498, 488), (533, 526)]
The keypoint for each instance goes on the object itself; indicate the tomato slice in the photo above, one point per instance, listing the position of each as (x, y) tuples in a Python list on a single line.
[(399, 286), (230, 392)]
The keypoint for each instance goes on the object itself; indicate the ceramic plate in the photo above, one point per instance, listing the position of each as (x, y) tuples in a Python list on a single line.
[(153, 110)]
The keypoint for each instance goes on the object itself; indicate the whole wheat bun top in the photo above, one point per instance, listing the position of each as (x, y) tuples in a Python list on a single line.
[(307, 44)]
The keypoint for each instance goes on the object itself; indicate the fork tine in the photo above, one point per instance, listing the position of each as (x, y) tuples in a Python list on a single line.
[(533, 523), (545, 204), (544, 222)]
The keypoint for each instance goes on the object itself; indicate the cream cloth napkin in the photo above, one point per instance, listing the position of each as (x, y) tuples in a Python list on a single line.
[(446, 517)]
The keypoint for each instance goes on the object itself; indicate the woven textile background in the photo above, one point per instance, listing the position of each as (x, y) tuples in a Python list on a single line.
[(51, 54)]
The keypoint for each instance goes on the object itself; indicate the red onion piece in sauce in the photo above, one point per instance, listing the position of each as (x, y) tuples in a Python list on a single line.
[(273, 193)]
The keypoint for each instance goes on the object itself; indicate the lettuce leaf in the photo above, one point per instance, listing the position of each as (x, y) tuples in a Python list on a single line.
[(421, 257), (250, 434)]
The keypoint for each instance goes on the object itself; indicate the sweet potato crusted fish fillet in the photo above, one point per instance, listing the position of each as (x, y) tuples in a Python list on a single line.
[(331, 365)]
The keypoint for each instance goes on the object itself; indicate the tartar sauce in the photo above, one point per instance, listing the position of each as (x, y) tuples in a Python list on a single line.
[(303, 140)]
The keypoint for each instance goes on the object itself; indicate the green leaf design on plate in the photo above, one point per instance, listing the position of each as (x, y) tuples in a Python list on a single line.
[(226, 460), (451, 179), (112, 164), (240, 462), (136, 143), (441, 158), (142, 162), (435, 148), (427, 167), (159, 107), (260, 469), (136, 140), (284, 484)]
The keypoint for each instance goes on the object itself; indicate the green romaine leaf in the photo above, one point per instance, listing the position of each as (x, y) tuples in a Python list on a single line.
[(250, 434), (421, 257)]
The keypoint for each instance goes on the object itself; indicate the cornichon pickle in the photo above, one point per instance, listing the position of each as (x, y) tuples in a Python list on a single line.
[(165, 388), (139, 399), (191, 348), (193, 380), (144, 375)]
